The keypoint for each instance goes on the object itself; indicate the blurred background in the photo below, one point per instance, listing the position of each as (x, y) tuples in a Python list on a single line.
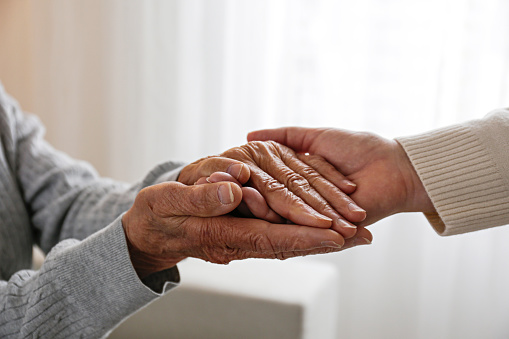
[(125, 84)]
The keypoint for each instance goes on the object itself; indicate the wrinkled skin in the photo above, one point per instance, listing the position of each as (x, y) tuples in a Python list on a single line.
[(283, 186), (386, 180), (171, 221)]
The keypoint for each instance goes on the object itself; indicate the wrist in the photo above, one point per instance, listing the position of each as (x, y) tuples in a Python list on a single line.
[(418, 199), (143, 263)]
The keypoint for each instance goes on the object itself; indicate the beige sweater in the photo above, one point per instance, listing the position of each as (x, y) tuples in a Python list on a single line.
[(465, 170)]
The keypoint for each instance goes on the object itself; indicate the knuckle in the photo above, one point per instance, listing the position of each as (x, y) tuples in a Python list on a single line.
[(312, 177), (230, 252), (343, 201), (322, 206), (261, 243), (285, 255), (270, 215), (261, 149), (212, 245), (237, 153), (295, 180), (210, 233), (149, 193), (257, 144), (211, 254), (256, 150), (153, 198), (197, 169), (272, 186), (143, 195), (193, 200), (272, 144), (285, 194), (297, 185), (198, 199)]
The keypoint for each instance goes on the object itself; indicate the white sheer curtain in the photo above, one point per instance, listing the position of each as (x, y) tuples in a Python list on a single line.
[(128, 83)]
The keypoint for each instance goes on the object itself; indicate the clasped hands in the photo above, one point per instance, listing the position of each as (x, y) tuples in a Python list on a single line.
[(268, 200)]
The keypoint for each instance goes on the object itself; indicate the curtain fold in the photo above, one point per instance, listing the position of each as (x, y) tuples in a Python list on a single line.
[(129, 83)]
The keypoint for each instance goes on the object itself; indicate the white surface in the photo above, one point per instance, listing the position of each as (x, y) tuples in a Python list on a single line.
[(285, 281), (246, 299)]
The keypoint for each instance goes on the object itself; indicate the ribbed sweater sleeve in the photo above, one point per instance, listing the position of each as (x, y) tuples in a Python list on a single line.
[(465, 171)]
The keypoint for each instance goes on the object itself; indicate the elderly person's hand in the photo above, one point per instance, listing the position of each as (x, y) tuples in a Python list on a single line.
[(171, 221), (292, 189), (387, 182)]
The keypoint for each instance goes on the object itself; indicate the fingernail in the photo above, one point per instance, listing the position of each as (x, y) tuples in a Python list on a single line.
[(208, 180), (354, 208), (235, 170), (225, 194), (349, 183), (331, 244), (363, 241), (322, 217), (346, 224)]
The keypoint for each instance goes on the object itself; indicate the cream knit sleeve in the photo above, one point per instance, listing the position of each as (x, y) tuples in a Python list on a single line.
[(465, 170)]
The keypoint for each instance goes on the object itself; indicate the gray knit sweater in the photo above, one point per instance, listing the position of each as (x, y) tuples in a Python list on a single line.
[(87, 284)]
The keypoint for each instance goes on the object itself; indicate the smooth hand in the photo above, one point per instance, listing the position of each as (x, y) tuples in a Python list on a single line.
[(291, 188), (386, 180), (171, 221)]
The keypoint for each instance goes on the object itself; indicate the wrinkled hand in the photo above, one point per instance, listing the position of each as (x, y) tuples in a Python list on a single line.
[(386, 180), (290, 187), (171, 221), (253, 204)]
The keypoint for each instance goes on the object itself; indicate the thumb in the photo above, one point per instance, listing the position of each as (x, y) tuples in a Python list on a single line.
[(176, 199), (293, 137)]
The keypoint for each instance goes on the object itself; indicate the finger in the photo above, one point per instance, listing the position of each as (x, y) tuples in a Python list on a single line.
[(285, 202), (257, 205), (340, 201), (176, 199), (270, 176), (243, 211), (362, 237), (253, 203), (231, 238), (319, 193), (264, 162), (205, 167), (202, 180), (222, 176), (328, 171), (287, 169), (286, 255), (297, 138)]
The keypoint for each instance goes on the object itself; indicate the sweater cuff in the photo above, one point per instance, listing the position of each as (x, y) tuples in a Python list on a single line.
[(97, 273), (461, 177)]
